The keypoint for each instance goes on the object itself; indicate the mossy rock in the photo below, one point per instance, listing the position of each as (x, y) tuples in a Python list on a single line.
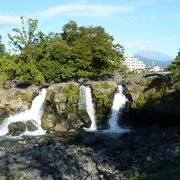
[(30, 125), (3, 113), (47, 124), (103, 94), (82, 113), (17, 128), (25, 96)]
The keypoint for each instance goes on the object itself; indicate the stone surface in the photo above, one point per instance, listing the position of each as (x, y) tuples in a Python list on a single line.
[(103, 94), (14, 99), (64, 156), (16, 128), (31, 125), (61, 127)]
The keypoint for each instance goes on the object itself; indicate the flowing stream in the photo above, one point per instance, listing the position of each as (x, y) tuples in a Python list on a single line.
[(33, 114), (118, 103), (89, 108)]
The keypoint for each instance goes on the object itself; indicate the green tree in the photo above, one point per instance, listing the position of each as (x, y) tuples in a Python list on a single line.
[(94, 54), (70, 32), (2, 47), (175, 67), (24, 40), (87, 52)]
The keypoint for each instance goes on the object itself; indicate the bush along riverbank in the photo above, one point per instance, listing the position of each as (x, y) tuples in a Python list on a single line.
[(154, 95)]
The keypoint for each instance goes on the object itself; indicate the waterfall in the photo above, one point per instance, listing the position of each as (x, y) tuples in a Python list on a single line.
[(33, 114), (118, 103), (90, 110), (86, 103)]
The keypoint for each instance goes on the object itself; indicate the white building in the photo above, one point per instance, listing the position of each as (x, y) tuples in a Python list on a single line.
[(133, 63), (156, 69)]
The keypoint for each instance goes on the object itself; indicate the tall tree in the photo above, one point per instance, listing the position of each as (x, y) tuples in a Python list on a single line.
[(25, 38), (175, 66), (70, 32), (2, 47)]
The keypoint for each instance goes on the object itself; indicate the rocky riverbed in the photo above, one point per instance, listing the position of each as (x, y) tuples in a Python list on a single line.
[(150, 152)]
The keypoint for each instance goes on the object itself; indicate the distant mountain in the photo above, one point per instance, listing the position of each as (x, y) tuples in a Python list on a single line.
[(148, 56), (149, 62)]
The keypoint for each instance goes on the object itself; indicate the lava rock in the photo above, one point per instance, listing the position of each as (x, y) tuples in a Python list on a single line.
[(16, 128), (31, 126)]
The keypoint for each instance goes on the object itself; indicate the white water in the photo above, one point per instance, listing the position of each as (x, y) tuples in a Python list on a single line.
[(118, 103), (33, 114), (90, 110)]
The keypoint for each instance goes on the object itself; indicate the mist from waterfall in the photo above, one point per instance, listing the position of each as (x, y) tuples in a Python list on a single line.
[(33, 114), (116, 109)]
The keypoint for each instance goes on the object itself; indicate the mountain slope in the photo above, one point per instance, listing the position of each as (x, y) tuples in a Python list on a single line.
[(149, 62), (152, 57)]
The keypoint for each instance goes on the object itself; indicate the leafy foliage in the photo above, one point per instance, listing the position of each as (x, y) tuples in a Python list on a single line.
[(175, 67), (76, 52), (2, 47)]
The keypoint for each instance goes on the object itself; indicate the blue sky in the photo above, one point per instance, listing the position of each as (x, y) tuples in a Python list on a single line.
[(133, 23)]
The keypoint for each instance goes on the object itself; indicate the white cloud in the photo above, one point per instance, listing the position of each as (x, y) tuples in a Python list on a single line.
[(8, 20), (147, 18), (176, 15), (86, 10), (148, 43), (148, 2), (137, 43)]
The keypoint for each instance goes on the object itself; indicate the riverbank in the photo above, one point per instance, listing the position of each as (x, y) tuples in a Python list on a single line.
[(151, 152)]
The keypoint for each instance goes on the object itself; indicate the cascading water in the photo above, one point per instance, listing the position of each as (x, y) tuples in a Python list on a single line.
[(90, 110), (87, 100), (118, 103), (33, 114)]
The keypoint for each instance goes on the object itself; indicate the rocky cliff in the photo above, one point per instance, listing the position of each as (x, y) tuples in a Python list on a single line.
[(154, 94), (65, 108)]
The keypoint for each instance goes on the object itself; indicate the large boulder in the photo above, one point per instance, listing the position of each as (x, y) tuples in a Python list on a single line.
[(15, 100), (30, 125), (17, 128), (62, 107), (103, 93), (155, 94)]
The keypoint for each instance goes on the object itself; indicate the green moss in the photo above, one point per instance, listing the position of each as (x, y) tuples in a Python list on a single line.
[(104, 85), (103, 91), (143, 82), (72, 108), (24, 96), (70, 92), (44, 124), (102, 98), (140, 101)]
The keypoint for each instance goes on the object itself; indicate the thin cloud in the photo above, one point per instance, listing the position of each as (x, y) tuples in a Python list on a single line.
[(176, 15), (8, 20), (147, 1), (150, 18), (88, 10), (148, 43)]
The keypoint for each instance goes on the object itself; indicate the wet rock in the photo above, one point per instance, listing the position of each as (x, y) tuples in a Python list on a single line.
[(31, 125), (16, 128), (113, 143), (62, 127), (88, 138)]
